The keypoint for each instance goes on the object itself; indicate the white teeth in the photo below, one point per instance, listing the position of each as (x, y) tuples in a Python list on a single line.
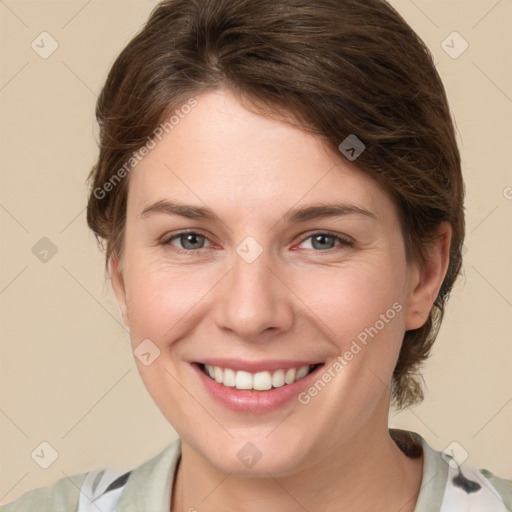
[(260, 381), (218, 374), (302, 372), (243, 380), (229, 378), (290, 375), (278, 378)]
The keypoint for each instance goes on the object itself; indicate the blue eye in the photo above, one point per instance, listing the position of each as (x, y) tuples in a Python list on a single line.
[(190, 241), (325, 241)]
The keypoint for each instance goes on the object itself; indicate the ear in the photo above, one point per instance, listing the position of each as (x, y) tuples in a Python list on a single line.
[(425, 281), (117, 280)]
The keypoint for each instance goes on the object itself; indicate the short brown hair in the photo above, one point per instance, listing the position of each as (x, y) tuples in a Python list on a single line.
[(337, 67)]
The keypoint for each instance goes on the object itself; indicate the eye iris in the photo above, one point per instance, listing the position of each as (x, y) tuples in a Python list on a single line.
[(322, 238), (192, 238)]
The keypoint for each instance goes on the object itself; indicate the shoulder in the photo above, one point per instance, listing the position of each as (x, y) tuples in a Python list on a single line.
[(62, 496), (452, 485), (474, 489), (99, 489), (502, 485), (105, 489)]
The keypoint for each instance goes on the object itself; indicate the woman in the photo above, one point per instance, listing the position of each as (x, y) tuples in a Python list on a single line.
[(280, 193)]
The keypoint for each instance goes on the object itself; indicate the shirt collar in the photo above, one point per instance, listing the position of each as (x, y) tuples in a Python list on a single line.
[(149, 486)]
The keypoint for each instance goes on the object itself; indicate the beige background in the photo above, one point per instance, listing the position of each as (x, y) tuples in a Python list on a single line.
[(67, 372)]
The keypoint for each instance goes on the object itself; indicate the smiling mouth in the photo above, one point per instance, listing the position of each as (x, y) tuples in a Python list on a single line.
[(259, 381)]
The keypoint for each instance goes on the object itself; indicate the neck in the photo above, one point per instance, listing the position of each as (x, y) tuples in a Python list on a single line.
[(368, 472)]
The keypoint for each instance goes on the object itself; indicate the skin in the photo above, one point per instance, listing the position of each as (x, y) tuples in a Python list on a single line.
[(297, 300)]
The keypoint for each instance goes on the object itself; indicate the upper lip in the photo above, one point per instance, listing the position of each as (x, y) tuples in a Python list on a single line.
[(256, 366)]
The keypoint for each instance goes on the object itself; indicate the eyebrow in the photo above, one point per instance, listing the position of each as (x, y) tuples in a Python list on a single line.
[(292, 216)]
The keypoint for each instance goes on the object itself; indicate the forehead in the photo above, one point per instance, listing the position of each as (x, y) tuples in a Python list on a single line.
[(219, 153)]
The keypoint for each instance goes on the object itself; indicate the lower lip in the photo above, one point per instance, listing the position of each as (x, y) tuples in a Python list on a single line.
[(254, 401)]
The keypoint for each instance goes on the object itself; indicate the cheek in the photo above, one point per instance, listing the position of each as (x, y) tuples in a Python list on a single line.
[(360, 310), (161, 298), (350, 299)]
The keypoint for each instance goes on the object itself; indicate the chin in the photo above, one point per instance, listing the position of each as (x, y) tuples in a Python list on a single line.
[(256, 458), (273, 463)]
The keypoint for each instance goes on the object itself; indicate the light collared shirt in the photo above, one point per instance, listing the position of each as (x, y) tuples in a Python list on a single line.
[(445, 486)]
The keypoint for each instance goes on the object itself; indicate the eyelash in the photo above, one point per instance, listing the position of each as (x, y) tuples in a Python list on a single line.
[(344, 242)]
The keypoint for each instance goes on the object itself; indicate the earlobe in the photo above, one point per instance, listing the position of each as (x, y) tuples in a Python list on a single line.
[(117, 281), (427, 280)]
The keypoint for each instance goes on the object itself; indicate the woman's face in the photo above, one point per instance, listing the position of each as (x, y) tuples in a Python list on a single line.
[(259, 288)]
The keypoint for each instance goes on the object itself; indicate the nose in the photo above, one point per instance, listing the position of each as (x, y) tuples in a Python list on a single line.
[(254, 300)]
